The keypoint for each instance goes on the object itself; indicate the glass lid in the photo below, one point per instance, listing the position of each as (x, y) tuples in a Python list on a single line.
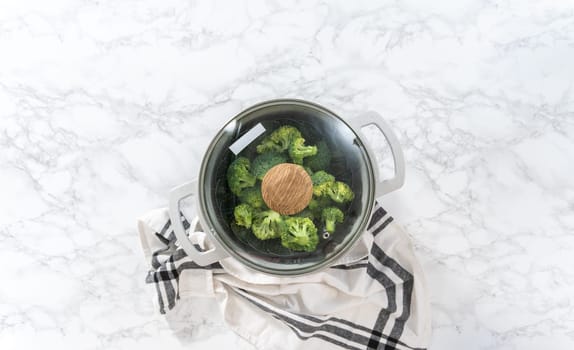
[(286, 187)]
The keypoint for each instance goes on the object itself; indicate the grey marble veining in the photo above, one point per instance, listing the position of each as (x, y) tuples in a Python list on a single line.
[(106, 105)]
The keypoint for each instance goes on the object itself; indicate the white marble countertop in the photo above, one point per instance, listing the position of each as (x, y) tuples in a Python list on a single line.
[(106, 105)]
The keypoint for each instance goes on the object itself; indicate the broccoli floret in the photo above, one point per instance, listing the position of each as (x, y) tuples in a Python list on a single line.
[(239, 175), (263, 162), (322, 182), (307, 213), (317, 204), (268, 224), (301, 234), (332, 216), (340, 192), (279, 140), (243, 214), (322, 189), (253, 197), (308, 170), (322, 159), (298, 150), (322, 176)]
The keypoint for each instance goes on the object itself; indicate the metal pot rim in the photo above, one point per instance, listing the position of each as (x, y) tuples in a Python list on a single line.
[(220, 237)]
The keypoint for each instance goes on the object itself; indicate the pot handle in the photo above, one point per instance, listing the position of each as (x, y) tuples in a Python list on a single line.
[(201, 258), (373, 118)]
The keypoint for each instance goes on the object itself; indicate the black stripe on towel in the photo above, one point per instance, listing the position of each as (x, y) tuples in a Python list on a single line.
[(377, 216), (408, 282)]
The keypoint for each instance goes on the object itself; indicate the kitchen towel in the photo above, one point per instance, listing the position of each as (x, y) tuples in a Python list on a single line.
[(374, 297)]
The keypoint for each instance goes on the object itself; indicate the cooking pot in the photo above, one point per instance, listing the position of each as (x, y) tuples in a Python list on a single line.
[(353, 162)]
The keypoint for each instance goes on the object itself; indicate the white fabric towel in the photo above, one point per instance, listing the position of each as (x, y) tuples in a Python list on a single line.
[(372, 298)]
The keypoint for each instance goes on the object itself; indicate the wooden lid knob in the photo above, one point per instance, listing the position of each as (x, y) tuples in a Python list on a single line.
[(287, 188)]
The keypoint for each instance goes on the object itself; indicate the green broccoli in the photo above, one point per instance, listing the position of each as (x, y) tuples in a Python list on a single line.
[(322, 159), (332, 216), (279, 140), (322, 182), (253, 197), (301, 234), (268, 224), (239, 175), (297, 232), (340, 192), (322, 189), (243, 215), (317, 204), (322, 176), (306, 213), (298, 150), (263, 162)]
